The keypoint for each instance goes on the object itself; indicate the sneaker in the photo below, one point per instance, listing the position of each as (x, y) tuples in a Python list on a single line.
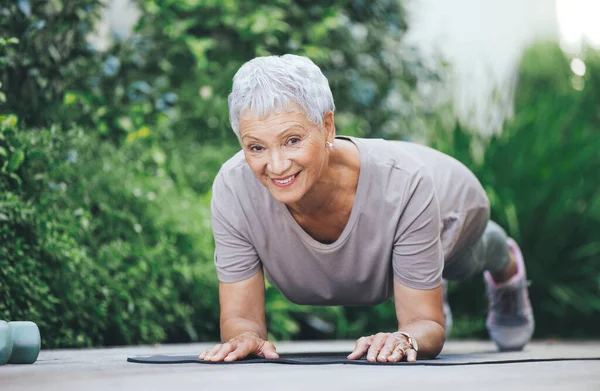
[(447, 311), (510, 320)]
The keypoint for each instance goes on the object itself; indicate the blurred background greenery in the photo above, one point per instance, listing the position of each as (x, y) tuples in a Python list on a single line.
[(107, 158)]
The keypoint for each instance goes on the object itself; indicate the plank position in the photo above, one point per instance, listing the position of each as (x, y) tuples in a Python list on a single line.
[(335, 220)]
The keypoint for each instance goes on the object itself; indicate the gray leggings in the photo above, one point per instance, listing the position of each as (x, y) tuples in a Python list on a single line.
[(488, 252)]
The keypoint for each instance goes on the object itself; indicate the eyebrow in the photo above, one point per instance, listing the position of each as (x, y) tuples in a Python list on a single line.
[(293, 127)]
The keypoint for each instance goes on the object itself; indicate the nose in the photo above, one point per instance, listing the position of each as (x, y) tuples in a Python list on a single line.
[(278, 163)]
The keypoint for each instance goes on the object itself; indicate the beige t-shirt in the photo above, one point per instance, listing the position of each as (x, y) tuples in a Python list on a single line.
[(414, 208)]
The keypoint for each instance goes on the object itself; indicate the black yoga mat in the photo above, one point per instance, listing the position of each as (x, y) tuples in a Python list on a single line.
[(340, 358)]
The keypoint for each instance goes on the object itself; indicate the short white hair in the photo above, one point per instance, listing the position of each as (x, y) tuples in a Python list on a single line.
[(267, 84)]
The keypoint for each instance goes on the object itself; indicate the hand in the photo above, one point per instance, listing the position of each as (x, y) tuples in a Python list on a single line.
[(240, 347), (384, 347)]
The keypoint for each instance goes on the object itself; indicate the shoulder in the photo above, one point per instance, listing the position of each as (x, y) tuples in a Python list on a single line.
[(393, 159), (234, 184), (238, 193), (234, 175), (233, 167)]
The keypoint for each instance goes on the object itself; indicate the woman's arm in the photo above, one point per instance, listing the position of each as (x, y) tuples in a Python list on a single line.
[(417, 262), (243, 326), (420, 314), (243, 307)]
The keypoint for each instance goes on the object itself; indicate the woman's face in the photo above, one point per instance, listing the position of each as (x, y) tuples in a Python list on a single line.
[(286, 152)]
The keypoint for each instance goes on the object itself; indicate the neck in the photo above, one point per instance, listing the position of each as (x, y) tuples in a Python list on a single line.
[(329, 192)]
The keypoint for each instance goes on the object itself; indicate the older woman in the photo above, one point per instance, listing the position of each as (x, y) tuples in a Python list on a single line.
[(334, 220)]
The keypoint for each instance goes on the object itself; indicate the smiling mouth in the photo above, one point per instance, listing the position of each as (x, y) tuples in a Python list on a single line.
[(285, 182)]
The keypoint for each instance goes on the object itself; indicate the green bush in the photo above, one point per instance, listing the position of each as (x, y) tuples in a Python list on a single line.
[(152, 237), (99, 245), (39, 258), (50, 58), (177, 67), (193, 48)]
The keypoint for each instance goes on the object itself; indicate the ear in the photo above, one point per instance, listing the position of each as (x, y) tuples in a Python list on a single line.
[(329, 126)]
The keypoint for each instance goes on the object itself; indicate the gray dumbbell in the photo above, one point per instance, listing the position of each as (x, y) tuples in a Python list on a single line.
[(20, 342)]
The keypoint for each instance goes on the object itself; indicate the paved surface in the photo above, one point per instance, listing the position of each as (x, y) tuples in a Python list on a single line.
[(107, 369)]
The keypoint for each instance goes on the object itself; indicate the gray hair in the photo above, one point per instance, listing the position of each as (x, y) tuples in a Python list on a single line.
[(264, 85)]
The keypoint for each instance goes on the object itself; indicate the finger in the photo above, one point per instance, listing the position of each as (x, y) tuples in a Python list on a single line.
[(203, 354), (397, 354), (387, 349), (268, 350), (226, 348), (411, 355), (208, 351), (362, 344), (212, 351), (242, 351), (376, 346)]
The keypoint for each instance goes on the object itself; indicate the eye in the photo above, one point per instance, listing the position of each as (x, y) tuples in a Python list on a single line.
[(256, 148), (293, 140)]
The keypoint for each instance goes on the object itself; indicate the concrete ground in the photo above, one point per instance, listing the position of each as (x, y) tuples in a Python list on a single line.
[(107, 369)]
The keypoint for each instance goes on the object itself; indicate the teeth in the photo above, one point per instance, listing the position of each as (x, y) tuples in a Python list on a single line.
[(283, 182)]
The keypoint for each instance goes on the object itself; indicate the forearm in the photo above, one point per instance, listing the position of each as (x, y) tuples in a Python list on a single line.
[(430, 337), (232, 327)]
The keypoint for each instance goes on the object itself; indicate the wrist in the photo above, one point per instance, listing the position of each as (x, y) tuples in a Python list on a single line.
[(412, 341), (429, 335), (252, 334)]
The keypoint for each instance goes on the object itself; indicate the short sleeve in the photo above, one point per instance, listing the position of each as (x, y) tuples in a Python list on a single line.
[(235, 256), (417, 257)]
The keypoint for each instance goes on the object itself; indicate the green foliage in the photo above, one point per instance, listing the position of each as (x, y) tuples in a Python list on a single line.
[(195, 47), (176, 70), (101, 247), (541, 175), (38, 256), (147, 234), (49, 56)]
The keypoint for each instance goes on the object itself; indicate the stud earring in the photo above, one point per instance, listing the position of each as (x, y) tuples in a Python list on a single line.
[(329, 144)]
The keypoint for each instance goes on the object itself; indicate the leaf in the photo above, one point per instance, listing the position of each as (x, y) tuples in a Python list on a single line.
[(8, 121), (53, 51), (199, 47), (16, 178), (69, 98), (16, 159), (159, 157)]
